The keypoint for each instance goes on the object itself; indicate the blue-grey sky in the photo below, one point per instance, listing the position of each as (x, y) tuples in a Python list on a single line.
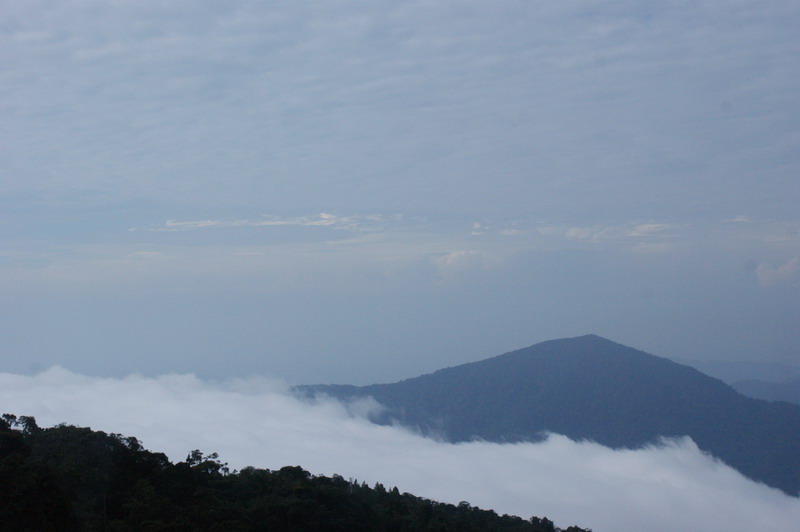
[(365, 191)]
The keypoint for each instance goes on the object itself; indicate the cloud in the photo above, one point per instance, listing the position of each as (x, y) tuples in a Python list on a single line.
[(457, 258), (456, 263), (649, 229), (251, 104), (256, 422), (322, 219), (615, 232), (739, 218), (787, 272), (589, 234)]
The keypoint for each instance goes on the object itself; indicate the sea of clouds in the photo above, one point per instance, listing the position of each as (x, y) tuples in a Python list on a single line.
[(672, 486)]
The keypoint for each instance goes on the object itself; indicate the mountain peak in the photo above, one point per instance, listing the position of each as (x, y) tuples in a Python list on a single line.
[(589, 387)]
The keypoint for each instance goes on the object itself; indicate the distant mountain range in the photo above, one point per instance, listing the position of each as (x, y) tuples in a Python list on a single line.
[(770, 381), (592, 388), (770, 391), (733, 371)]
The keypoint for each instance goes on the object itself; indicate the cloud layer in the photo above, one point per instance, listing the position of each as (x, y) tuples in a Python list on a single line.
[(535, 170), (256, 422), (651, 109)]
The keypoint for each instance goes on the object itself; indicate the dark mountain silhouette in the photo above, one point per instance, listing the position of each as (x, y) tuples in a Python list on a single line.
[(770, 391), (591, 388)]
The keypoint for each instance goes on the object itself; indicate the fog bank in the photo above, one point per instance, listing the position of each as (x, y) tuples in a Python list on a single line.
[(673, 486)]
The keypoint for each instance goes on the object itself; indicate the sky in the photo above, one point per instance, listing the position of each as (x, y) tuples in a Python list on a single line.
[(662, 488), (202, 203), (358, 192)]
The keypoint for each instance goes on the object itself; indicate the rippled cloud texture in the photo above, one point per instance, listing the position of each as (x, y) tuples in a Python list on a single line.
[(257, 422)]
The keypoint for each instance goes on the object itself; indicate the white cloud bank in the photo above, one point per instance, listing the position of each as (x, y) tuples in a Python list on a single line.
[(256, 422)]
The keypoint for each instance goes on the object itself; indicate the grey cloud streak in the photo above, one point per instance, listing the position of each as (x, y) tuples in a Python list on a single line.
[(256, 422), (322, 219)]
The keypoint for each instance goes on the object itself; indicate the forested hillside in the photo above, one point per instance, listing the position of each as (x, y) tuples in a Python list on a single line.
[(69, 478)]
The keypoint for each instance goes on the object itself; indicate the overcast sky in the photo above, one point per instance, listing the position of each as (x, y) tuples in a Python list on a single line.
[(364, 191)]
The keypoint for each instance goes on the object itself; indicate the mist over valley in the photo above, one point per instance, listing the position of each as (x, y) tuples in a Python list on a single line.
[(650, 482)]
